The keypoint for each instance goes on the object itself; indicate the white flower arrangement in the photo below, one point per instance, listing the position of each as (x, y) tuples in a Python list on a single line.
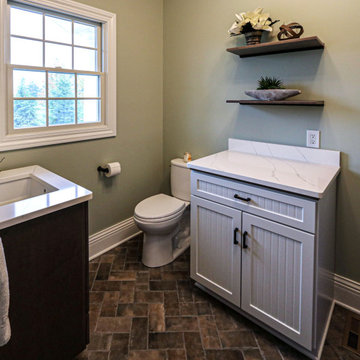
[(251, 21)]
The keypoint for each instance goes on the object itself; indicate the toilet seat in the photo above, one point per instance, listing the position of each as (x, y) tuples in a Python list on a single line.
[(159, 208), (158, 221)]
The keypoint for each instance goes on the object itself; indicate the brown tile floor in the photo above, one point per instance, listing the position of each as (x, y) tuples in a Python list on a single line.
[(158, 314)]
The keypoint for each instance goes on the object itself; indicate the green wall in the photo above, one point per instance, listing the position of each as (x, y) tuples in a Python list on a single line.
[(199, 75), (173, 77), (138, 145)]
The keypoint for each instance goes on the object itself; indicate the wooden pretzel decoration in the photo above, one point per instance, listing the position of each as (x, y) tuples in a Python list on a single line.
[(290, 31)]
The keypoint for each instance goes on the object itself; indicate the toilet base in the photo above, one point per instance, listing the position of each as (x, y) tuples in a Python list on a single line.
[(157, 250), (159, 253), (161, 249)]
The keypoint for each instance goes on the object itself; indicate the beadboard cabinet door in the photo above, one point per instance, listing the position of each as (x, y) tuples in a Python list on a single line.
[(215, 254), (278, 277)]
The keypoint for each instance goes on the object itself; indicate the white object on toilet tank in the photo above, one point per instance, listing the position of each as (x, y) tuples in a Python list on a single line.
[(180, 179)]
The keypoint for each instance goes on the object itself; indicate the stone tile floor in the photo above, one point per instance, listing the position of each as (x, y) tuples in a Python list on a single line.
[(158, 314)]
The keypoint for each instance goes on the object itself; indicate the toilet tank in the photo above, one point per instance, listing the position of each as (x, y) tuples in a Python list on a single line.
[(180, 180)]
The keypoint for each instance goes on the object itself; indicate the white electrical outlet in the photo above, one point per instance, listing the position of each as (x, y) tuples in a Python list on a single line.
[(313, 138)]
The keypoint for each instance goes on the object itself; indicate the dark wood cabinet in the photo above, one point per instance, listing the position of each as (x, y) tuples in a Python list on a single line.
[(47, 260)]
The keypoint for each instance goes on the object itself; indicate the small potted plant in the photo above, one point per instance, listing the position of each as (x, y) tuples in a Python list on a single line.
[(271, 88), (251, 24)]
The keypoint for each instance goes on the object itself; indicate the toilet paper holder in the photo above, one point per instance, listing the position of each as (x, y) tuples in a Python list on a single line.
[(102, 169), (110, 169)]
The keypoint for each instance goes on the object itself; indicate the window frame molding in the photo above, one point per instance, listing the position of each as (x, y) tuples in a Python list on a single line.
[(11, 141)]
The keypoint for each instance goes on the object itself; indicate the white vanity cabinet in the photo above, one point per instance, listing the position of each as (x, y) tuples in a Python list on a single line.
[(263, 267), (266, 252)]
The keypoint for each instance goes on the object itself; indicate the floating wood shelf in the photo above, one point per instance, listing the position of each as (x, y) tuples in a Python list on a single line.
[(282, 102), (277, 47)]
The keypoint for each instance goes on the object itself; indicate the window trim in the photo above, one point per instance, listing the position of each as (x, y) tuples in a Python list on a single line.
[(43, 137)]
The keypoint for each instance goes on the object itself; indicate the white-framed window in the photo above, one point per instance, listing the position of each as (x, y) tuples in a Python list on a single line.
[(58, 71)]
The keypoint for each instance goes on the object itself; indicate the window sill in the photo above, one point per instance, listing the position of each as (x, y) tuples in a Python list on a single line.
[(36, 139)]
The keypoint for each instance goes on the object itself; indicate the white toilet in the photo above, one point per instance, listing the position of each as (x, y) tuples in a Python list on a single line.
[(165, 220)]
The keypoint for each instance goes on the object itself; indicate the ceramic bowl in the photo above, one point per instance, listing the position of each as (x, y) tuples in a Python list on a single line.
[(272, 94)]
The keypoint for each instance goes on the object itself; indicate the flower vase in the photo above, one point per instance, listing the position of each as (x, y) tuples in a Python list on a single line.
[(253, 37)]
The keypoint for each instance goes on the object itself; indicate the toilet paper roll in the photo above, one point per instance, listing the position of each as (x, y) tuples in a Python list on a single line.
[(114, 169)]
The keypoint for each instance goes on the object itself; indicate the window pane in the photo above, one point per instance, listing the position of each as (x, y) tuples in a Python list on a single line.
[(88, 86), (88, 111), (85, 59), (85, 35), (28, 83), (61, 112), (29, 113), (26, 23), (58, 56), (26, 52), (58, 30), (61, 85)]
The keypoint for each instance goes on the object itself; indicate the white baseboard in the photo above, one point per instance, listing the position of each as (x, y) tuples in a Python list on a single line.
[(347, 293), (111, 237)]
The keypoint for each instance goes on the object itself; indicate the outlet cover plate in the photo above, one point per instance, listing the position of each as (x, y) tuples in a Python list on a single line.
[(313, 138)]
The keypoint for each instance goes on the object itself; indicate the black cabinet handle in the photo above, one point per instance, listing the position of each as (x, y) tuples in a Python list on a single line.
[(235, 232), (236, 196), (244, 240)]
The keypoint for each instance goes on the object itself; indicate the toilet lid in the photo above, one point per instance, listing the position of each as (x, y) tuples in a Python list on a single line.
[(159, 206)]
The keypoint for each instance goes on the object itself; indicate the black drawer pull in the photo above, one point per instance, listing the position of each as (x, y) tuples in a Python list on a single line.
[(244, 240), (235, 232), (236, 196)]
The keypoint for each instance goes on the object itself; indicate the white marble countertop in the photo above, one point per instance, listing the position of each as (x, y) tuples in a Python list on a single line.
[(27, 204), (302, 171)]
